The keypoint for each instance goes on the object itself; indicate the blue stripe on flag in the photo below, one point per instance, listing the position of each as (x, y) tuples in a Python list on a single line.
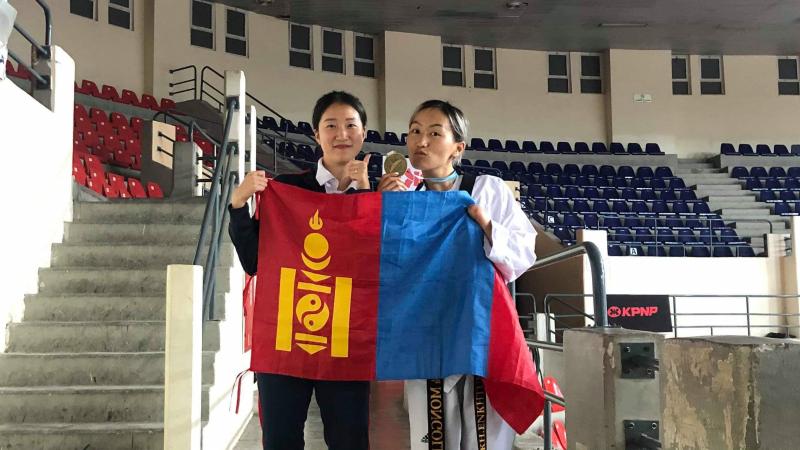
[(436, 287)]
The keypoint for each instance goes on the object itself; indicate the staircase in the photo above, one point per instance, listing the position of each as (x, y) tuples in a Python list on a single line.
[(84, 369), (726, 197)]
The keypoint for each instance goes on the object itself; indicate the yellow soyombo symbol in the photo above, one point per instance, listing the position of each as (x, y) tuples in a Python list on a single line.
[(311, 310)]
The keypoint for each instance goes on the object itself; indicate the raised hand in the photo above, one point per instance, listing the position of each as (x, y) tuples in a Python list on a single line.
[(253, 182)]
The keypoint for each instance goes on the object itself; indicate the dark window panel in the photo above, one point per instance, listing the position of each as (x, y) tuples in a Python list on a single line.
[(484, 80), (451, 57), (591, 86), (789, 88), (201, 14), (787, 69), (364, 69), (332, 64), (123, 3), (83, 8), (119, 18), (557, 85), (711, 88), (236, 46), (709, 68), (680, 88), (678, 68), (298, 59), (558, 65), (331, 42), (364, 47), (236, 23), (452, 78), (301, 37), (202, 38), (590, 66), (484, 60)]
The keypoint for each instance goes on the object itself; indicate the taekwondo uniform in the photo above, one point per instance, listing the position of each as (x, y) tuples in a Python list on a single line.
[(512, 252)]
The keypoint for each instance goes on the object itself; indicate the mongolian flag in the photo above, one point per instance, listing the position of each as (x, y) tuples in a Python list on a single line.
[(386, 286)]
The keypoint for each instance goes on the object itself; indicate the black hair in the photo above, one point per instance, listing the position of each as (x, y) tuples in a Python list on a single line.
[(458, 122), (333, 98)]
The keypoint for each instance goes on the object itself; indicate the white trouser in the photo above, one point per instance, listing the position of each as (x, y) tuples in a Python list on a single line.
[(459, 415)]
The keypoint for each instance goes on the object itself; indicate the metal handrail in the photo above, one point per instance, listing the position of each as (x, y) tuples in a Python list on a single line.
[(192, 80), (219, 196), (192, 125), (598, 274), (41, 50)]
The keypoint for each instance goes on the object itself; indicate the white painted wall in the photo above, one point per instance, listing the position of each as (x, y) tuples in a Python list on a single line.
[(409, 71), (37, 198)]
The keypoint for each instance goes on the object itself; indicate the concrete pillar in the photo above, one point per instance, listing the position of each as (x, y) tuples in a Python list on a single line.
[(602, 393), (184, 171), (731, 392), (183, 357)]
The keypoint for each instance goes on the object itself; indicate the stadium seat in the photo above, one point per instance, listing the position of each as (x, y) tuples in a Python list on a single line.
[(287, 125), (777, 172), (372, 136), (727, 149), (530, 147), (723, 252), (477, 144), (512, 146), (599, 148), (746, 150), (564, 148), (635, 149), (745, 251), (589, 170), (626, 172), (699, 252), (607, 171), (739, 172), (794, 172), (547, 148), (109, 93), (663, 172), (167, 104), (572, 170), (653, 149), (89, 88), (136, 188), (388, 137), (154, 190), (615, 250), (130, 98), (644, 172), (796, 149), (495, 145), (763, 150), (617, 148), (758, 172), (781, 150), (656, 250), (582, 148)]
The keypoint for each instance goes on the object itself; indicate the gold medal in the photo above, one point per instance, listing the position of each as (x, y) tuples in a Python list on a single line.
[(395, 162)]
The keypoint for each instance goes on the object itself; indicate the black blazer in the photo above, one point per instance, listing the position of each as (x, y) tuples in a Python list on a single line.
[(243, 229)]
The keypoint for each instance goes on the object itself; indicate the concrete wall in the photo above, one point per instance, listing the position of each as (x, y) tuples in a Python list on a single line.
[(36, 198), (408, 68)]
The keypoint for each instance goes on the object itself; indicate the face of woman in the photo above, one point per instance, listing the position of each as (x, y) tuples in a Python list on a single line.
[(431, 145), (340, 134)]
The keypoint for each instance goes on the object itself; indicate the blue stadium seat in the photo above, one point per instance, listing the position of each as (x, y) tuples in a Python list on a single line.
[(391, 138), (668, 195), (653, 149), (373, 136), (610, 193), (631, 222), (686, 236), (777, 172), (664, 234), (781, 150), (591, 192), (663, 172), (644, 236), (700, 252), (612, 222), (500, 165), (728, 235), (629, 194), (753, 184), (305, 128), (572, 221), (739, 172), (477, 144), (782, 209), (535, 168), (772, 183), (582, 181), (638, 183), (517, 167), (794, 172), (620, 206), (563, 233), (288, 125), (547, 148), (677, 183), (403, 138), (727, 149), (680, 207), (553, 191), (581, 206), (635, 149), (723, 252), (599, 148), (546, 179), (656, 250), (763, 150), (623, 235), (600, 206), (582, 148), (601, 182), (530, 147), (540, 204), (792, 183), (572, 169), (758, 172), (626, 172), (564, 179), (607, 171), (564, 147), (644, 172), (676, 251), (688, 195), (647, 194), (495, 145), (795, 150), (658, 183), (700, 208), (512, 146), (589, 170), (269, 122), (746, 150), (745, 251), (465, 162), (561, 205), (482, 163), (553, 169), (787, 196), (590, 220), (659, 207), (617, 148), (615, 250)]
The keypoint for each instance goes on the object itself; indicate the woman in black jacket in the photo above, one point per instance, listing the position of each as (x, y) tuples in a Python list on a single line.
[(339, 122)]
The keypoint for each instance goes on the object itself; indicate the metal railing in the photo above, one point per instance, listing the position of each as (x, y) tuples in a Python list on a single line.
[(599, 296), (222, 182), (39, 50)]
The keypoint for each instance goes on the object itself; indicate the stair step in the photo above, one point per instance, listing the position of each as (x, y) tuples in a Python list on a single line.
[(141, 282), (125, 256), (743, 213), (720, 187), (77, 337), (101, 435), (710, 179), (746, 198), (142, 211), (89, 369), (132, 233)]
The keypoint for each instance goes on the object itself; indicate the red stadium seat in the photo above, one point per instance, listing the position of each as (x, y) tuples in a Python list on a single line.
[(10, 71), (78, 170), (98, 115), (109, 93), (154, 190), (167, 104), (23, 73), (89, 88), (117, 183), (110, 191), (129, 98), (148, 101), (80, 111), (136, 124), (136, 188), (118, 119), (91, 139)]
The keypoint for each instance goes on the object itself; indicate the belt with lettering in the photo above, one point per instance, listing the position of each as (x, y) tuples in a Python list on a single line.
[(436, 414)]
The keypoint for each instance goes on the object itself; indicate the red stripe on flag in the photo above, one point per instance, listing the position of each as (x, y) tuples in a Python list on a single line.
[(511, 383)]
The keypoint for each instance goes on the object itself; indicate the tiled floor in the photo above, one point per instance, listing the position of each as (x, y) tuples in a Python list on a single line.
[(388, 424)]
